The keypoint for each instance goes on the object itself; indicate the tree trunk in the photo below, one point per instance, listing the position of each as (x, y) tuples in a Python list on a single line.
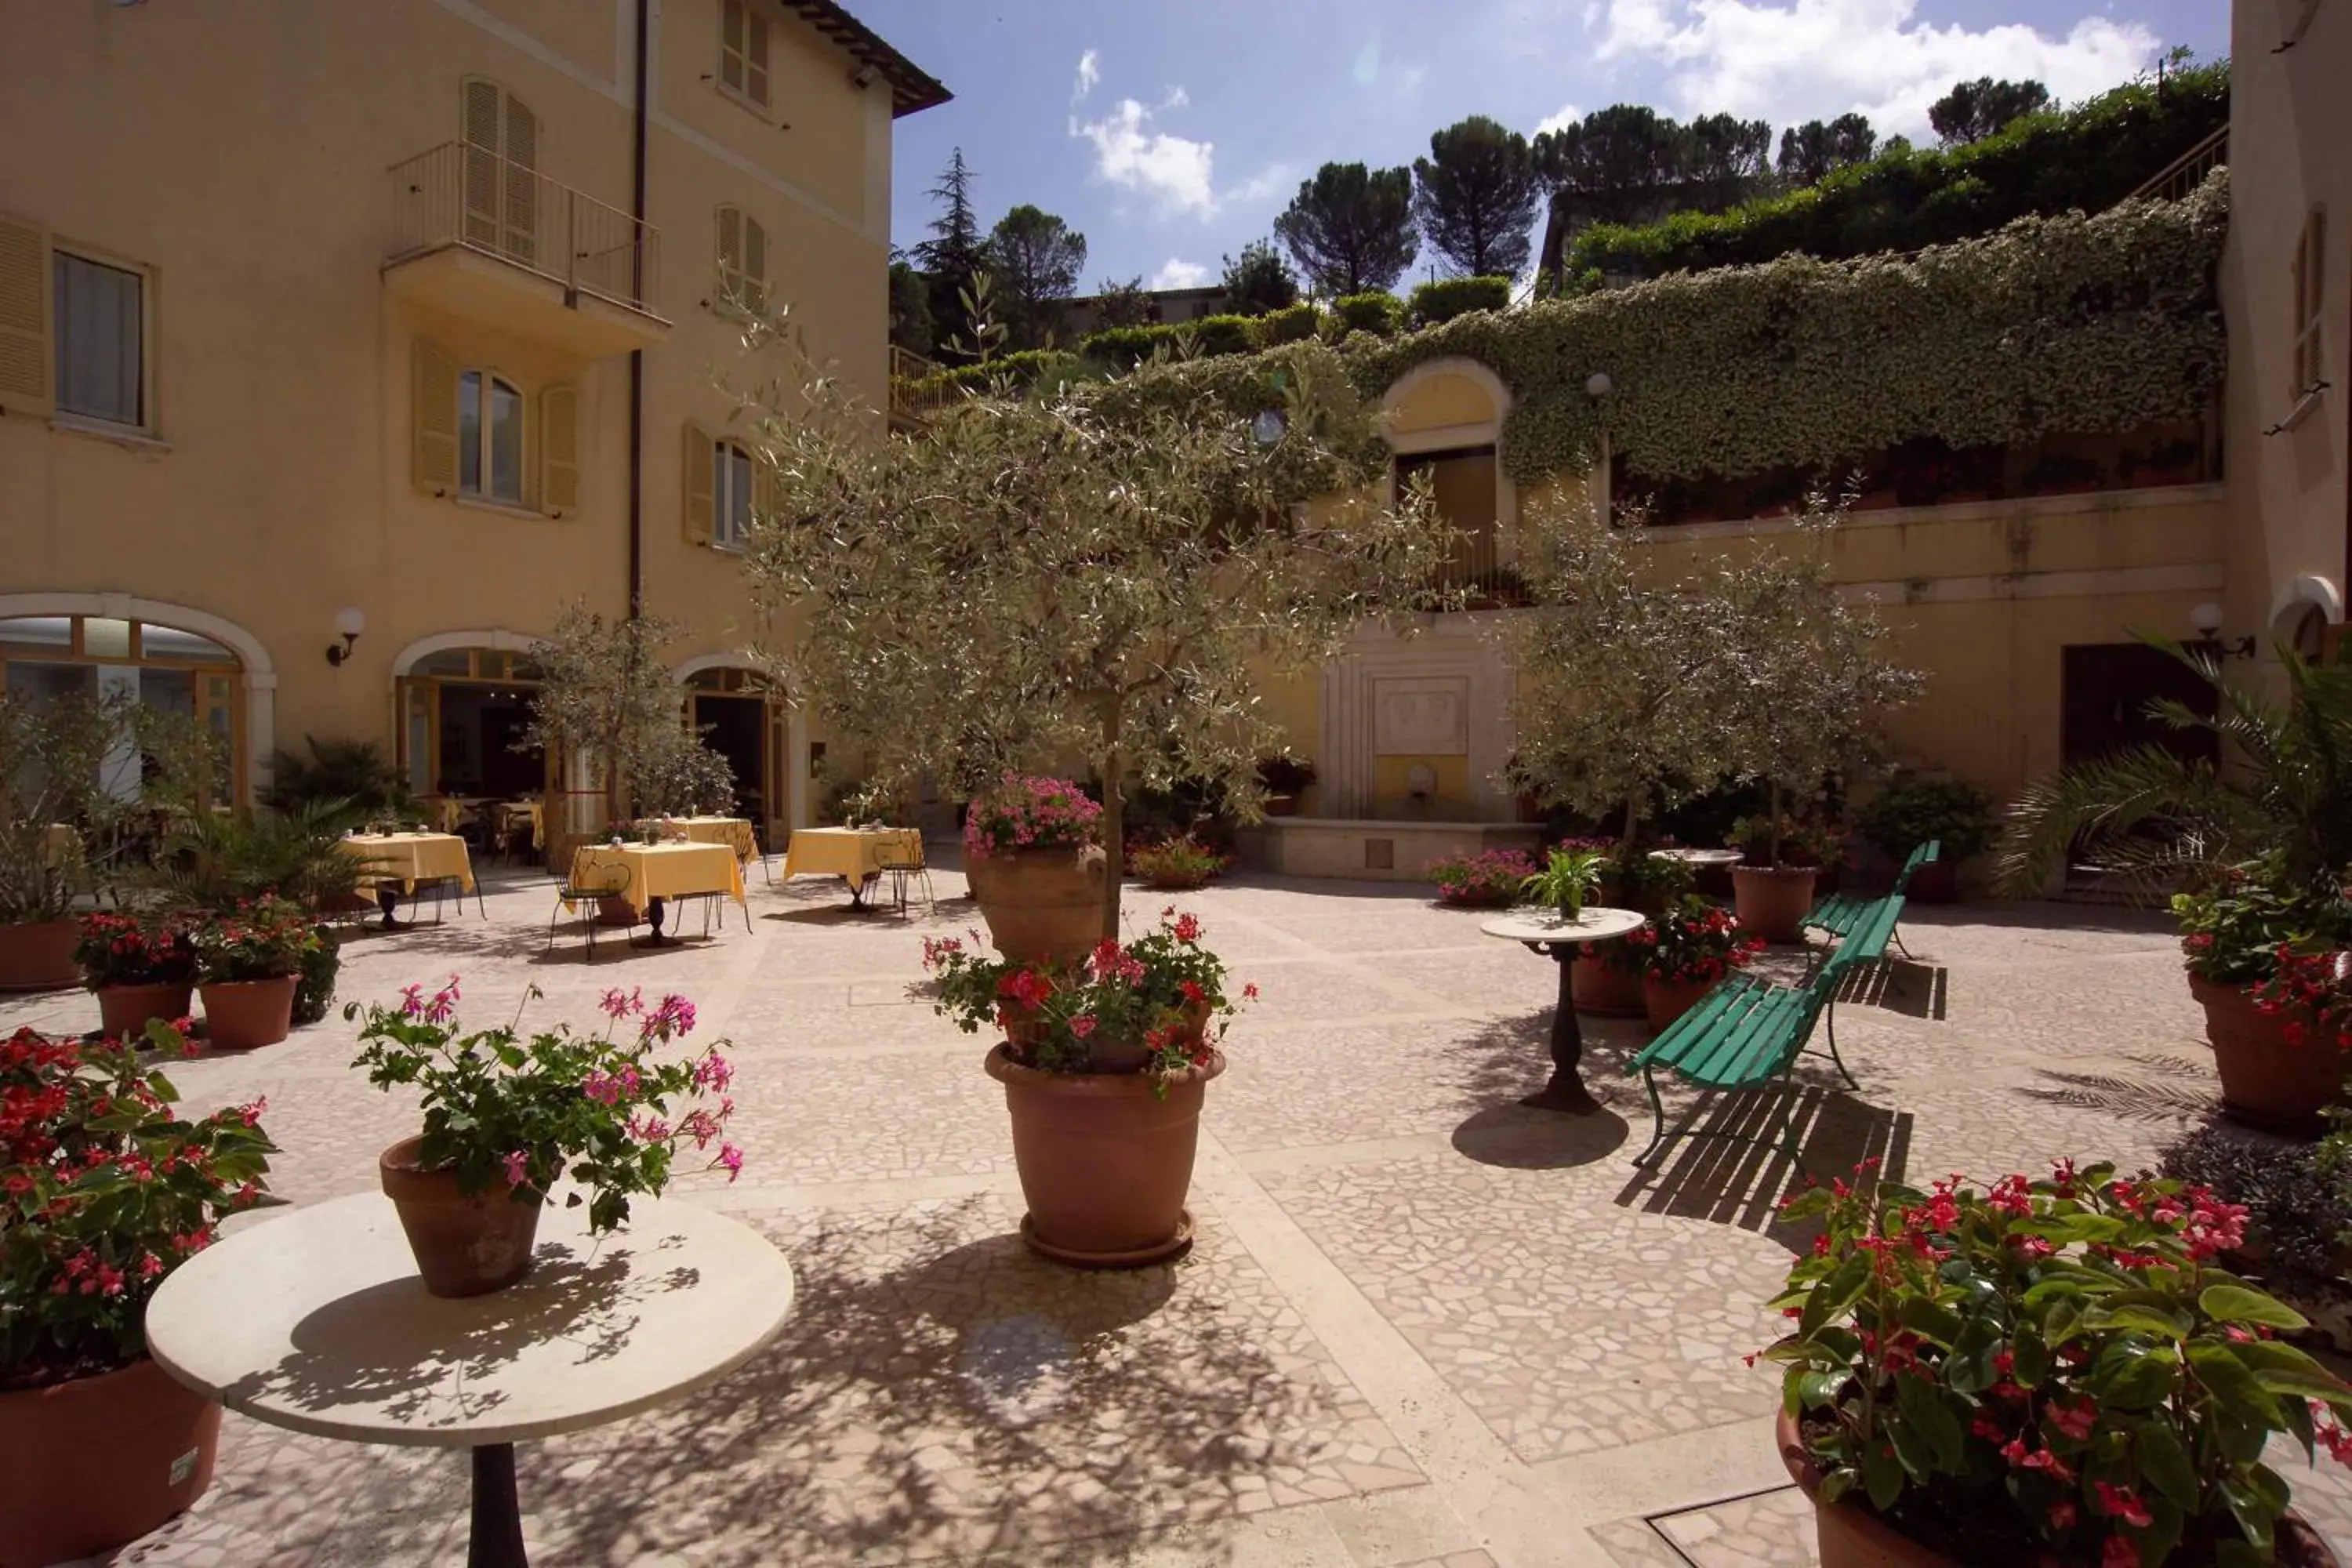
[(1632, 818), (1114, 820), (1774, 796)]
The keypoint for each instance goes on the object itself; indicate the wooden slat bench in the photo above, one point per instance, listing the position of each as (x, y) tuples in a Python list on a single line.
[(1835, 915), (1746, 1033)]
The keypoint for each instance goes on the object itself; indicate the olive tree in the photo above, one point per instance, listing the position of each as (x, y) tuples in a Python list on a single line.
[(1105, 573), (605, 694)]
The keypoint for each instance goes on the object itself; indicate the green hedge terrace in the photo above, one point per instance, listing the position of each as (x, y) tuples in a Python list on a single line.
[(2088, 157)]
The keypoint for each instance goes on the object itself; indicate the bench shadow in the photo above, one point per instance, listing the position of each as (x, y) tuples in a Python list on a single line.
[(1722, 1180), (1912, 987)]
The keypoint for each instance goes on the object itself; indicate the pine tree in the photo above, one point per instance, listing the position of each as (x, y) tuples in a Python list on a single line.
[(1975, 110), (1350, 228), (1474, 197), (954, 255), (1258, 281), (1035, 259)]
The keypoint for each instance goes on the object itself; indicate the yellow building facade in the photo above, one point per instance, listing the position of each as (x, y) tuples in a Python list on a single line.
[(404, 319)]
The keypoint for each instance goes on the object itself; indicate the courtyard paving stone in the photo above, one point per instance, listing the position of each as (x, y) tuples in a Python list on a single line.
[(1420, 1327)]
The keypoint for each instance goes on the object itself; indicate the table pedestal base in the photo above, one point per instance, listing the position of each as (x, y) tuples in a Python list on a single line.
[(496, 1540), (656, 909), (388, 899), (1566, 1092)]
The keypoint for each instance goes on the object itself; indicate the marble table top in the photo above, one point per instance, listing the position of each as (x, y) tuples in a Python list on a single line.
[(1595, 922)]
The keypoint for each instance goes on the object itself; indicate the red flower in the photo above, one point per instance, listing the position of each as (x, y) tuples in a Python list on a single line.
[(2123, 1503)]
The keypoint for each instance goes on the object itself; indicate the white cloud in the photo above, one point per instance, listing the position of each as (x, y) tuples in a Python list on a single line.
[(1176, 274), (1795, 59), (1271, 181), (1089, 73), (1560, 119), (1175, 171)]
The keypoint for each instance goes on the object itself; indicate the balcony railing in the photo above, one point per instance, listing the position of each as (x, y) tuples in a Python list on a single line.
[(1476, 567), (461, 195), (2176, 180)]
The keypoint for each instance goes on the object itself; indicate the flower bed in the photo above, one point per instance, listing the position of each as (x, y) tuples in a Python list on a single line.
[(1176, 865), (1483, 881)]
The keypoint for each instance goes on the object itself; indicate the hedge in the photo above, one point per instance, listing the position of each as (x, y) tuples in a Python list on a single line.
[(2089, 158), (1024, 368), (1125, 347), (1376, 311), (1442, 299), (1291, 324)]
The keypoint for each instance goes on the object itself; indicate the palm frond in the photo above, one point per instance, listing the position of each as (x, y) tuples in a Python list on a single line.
[(2100, 807)]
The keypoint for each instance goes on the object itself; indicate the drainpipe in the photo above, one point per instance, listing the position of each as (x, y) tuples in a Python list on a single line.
[(637, 356)]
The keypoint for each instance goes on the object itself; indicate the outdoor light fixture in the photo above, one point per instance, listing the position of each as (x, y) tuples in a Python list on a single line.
[(1268, 426), (1598, 385), (2205, 620), (349, 623)]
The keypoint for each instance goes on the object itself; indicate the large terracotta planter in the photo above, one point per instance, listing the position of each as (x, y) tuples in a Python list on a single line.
[(123, 1010), (1661, 1003), (98, 1462), (2265, 1081), (1936, 883), (1772, 901), (1280, 805), (464, 1245), (242, 1014), (1601, 991), (1105, 1159), (1040, 904), (38, 955)]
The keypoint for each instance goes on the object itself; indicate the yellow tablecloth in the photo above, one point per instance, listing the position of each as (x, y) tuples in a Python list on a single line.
[(405, 859), (508, 813), (851, 853), (61, 845), (732, 831), (660, 871)]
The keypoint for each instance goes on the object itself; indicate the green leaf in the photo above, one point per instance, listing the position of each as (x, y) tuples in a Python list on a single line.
[(1882, 1479), (2135, 1376), (1833, 1295), (2230, 1383), (2141, 1319), (1924, 1410), (1926, 1316), (2165, 1461), (2242, 1304)]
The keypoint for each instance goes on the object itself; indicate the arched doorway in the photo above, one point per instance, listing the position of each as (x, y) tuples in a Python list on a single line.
[(168, 658), (462, 706), (739, 714)]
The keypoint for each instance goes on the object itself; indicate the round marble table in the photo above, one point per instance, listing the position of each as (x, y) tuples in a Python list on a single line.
[(1697, 859), (1546, 931), (316, 1322)]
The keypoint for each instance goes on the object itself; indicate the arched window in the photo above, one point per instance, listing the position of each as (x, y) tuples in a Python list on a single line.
[(172, 671), (490, 437), (742, 261)]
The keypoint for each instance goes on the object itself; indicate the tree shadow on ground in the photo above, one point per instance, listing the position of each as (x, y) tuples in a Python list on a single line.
[(2172, 1088), (1734, 1173), (954, 1397)]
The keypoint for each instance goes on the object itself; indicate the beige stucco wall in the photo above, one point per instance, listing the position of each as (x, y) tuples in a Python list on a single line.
[(240, 153)]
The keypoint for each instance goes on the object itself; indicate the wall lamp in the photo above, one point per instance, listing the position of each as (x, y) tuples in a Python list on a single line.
[(349, 623), (2205, 620)]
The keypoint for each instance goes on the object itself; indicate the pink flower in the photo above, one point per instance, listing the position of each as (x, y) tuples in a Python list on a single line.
[(732, 1158), (2075, 1421), (713, 1073), (648, 1129), (601, 1087), (1249, 992), (615, 1003), (1188, 928), (2119, 1552), (518, 1165), (412, 1000), (1083, 1025), (2061, 1514), (444, 1005), (251, 1113)]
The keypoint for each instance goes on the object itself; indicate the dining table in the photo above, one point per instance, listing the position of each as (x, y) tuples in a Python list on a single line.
[(649, 877), (396, 864), (1557, 935), (856, 854)]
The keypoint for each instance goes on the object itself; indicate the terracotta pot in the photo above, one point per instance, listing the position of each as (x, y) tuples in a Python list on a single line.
[(98, 1462), (242, 1014), (1040, 904), (1772, 901), (616, 912), (1826, 880), (464, 1245), (1530, 808), (2265, 1081), (1663, 1003), (1105, 1159), (1281, 806), (38, 955), (1936, 883), (1601, 991), (123, 1010)]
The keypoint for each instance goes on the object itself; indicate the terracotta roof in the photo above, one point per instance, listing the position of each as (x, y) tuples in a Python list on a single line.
[(911, 87)]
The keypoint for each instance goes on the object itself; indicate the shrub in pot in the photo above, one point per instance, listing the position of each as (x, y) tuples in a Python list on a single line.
[(1286, 778), (1957, 815), (1605, 978), (248, 968), (320, 966), (1176, 865), (1568, 878), (1774, 887), (2298, 1204), (105, 1192), (1683, 951), (1489, 880), (507, 1116), (1106, 1064), (2280, 1064), (2059, 1370), (140, 965), (1032, 854)]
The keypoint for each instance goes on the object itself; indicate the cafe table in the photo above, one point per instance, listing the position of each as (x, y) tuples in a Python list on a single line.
[(399, 863), (316, 1321), (1557, 936), (735, 832), (852, 854), (647, 876), (1701, 860)]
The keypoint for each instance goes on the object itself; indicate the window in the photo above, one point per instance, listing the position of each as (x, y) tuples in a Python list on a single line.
[(100, 327), (743, 52), (490, 437), (742, 261), (2310, 304), (730, 491)]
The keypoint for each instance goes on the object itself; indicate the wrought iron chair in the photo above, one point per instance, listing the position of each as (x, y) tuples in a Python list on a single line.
[(585, 889), (901, 860)]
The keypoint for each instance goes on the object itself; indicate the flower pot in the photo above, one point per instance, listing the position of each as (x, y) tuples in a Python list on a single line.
[(1603, 991), (123, 1010), (96, 1462), (1772, 901), (1936, 883), (38, 955), (242, 1014), (1040, 904), (2265, 1081), (1105, 1159), (1281, 806), (1663, 1001), (464, 1245)]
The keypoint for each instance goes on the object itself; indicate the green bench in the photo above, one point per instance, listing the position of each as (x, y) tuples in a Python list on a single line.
[(1836, 915)]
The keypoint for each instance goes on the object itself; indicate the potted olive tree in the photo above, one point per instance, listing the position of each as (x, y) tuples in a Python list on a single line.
[(1952, 813)]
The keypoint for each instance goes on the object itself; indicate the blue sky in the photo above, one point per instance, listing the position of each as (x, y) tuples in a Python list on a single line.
[(1170, 131)]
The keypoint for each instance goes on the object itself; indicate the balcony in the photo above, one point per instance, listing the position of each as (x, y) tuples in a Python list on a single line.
[(491, 241)]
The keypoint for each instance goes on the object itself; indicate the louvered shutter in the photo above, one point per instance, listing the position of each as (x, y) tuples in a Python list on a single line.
[(730, 255), (695, 509), (755, 56), (767, 493), (755, 266), (480, 176), (433, 422), (26, 357), (730, 45), (521, 237), (559, 450)]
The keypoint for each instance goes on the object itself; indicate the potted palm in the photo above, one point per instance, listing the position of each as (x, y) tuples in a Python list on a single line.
[(1106, 1063), (107, 1192), (142, 966), (1951, 812), (1285, 779), (1569, 877), (2056, 1371), (248, 968), (508, 1117), (1032, 853), (1606, 979)]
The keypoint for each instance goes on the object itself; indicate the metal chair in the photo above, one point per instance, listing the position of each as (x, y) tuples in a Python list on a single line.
[(586, 888), (902, 861), (441, 886)]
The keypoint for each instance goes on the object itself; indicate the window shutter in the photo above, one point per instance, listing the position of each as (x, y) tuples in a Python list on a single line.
[(480, 174), (767, 494), (755, 56), (26, 357), (433, 406), (694, 515), (559, 450), (755, 266), (730, 45), (731, 253), (521, 149)]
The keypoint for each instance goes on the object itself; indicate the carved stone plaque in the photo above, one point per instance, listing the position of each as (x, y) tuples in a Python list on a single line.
[(1421, 717)]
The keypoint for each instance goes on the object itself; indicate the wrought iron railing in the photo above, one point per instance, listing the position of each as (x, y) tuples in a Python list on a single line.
[(2185, 174), (461, 195)]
